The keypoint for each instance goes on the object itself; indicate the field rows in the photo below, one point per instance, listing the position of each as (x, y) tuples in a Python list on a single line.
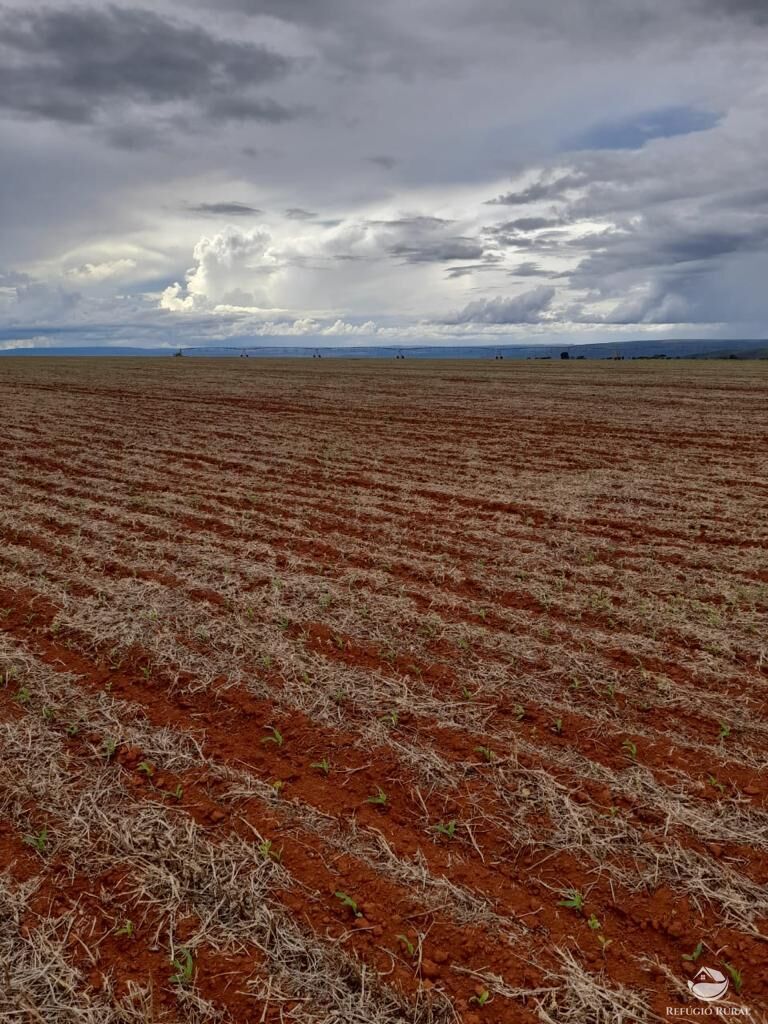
[(452, 642)]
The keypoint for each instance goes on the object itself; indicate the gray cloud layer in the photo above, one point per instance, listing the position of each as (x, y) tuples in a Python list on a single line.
[(415, 166)]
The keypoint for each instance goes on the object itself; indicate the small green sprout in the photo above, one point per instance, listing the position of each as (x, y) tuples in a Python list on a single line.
[(37, 840), (23, 695), (323, 766), (348, 902), (725, 731), (278, 785), (573, 900), (73, 729), (391, 718), (275, 736), (593, 923), (631, 749), (604, 943), (49, 714), (268, 851), (694, 956), (519, 712), (126, 929), (185, 969), (557, 726), (178, 792), (380, 798), (446, 828), (108, 748), (736, 976), (482, 998), (715, 783), (486, 753), (407, 945), (146, 768)]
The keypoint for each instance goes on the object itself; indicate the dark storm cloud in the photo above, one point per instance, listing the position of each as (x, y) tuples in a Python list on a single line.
[(75, 64), (440, 251), (297, 213), (526, 224), (523, 309), (226, 209), (387, 162), (540, 190)]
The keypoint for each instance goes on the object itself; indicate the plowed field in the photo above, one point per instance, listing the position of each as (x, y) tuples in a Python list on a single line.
[(337, 691)]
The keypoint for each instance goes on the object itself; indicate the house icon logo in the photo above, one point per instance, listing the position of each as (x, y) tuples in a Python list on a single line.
[(709, 984)]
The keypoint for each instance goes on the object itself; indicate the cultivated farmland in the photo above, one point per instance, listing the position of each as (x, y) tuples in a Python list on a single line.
[(335, 691)]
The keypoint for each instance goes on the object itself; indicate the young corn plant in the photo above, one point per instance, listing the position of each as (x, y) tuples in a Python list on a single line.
[(557, 727), (594, 923), (694, 956), (268, 851), (486, 753), (391, 718), (185, 969), (737, 978), (146, 768), (380, 798), (572, 900), (324, 766), (108, 749), (407, 945), (481, 998), (275, 736), (631, 749), (725, 731), (446, 828), (37, 840), (349, 903), (125, 929)]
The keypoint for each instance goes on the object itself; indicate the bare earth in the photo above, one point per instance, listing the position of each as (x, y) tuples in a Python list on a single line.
[(381, 691)]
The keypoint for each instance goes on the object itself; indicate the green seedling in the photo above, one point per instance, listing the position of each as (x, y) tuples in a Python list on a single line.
[(716, 783), (73, 729), (519, 712), (573, 900), (185, 969), (37, 840), (275, 736), (482, 998), (446, 828), (23, 695), (323, 766), (557, 726), (694, 956), (49, 714), (593, 923), (486, 753), (348, 902), (278, 785), (146, 671), (391, 718), (146, 768), (178, 792), (380, 798), (126, 929), (604, 943), (268, 851), (736, 976), (468, 694), (631, 749), (108, 748), (725, 731), (407, 945)]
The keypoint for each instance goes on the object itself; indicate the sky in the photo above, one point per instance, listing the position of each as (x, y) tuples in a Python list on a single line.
[(384, 171)]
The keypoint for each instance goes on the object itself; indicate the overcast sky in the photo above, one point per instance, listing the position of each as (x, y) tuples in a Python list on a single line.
[(344, 171)]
